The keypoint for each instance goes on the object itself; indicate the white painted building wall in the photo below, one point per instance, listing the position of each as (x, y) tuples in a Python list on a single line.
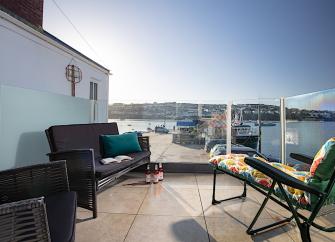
[(28, 59), (35, 94)]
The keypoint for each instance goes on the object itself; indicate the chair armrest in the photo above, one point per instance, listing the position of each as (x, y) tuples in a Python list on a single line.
[(303, 158), (280, 176), (144, 143), (33, 181), (24, 220), (81, 173)]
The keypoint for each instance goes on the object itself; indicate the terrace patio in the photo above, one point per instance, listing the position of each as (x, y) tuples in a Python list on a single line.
[(179, 209), (164, 150), (184, 82)]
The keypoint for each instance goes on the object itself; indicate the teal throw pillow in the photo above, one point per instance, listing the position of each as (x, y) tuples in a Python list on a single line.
[(123, 144)]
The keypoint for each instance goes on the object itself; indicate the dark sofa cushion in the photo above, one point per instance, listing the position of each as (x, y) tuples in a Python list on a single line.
[(61, 213), (102, 171), (80, 136)]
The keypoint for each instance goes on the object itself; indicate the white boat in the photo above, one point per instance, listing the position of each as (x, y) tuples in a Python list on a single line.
[(245, 133)]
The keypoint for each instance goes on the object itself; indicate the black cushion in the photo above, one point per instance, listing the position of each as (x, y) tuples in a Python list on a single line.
[(102, 171), (61, 212), (80, 136)]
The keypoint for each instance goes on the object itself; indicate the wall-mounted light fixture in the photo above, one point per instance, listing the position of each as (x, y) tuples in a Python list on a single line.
[(74, 75)]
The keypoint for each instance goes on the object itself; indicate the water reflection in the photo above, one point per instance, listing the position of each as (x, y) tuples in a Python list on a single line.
[(310, 122)]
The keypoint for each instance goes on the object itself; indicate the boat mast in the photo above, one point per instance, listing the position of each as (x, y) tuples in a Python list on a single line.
[(241, 116), (164, 116)]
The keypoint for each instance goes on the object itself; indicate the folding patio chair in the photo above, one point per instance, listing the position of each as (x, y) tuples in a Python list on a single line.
[(309, 190)]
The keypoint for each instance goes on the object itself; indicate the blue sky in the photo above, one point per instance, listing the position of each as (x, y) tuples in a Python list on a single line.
[(324, 100), (204, 50)]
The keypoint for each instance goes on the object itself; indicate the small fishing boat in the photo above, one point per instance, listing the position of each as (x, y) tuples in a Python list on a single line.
[(161, 129), (245, 133)]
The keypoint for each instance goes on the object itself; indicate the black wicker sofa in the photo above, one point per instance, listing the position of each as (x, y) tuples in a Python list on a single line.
[(79, 145)]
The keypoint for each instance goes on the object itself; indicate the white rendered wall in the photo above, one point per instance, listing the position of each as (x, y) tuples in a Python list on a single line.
[(34, 92), (28, 61)]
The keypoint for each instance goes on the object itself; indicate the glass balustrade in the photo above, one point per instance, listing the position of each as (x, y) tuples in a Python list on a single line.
[(179, 131), (185, 131), (191, 131), (26, 113), (255, 124), (310, 121)]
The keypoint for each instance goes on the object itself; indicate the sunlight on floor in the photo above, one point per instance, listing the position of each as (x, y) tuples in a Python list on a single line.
[(179, 209)]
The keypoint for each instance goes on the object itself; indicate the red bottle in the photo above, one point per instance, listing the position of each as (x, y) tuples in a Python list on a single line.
[(156, 174), (161, 172), (148, 174)]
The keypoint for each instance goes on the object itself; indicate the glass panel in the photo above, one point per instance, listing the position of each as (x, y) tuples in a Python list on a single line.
[(215, 128), (270, 128), (310, 121), (256, 125), (101, 107), (25, 114), (178, 131)]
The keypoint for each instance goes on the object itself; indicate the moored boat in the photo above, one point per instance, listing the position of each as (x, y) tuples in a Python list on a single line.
[(245, 133)]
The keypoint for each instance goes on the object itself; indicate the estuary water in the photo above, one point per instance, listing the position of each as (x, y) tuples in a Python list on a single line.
[(304, 137)]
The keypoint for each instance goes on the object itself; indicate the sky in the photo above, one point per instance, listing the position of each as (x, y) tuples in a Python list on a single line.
[(323, 100), (203, 51)]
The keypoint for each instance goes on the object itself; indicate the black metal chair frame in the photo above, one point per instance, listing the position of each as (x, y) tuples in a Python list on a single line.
[(81, 173), (23, 214), (280, 178)]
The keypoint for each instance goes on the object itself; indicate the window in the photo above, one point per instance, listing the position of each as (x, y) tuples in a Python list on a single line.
[(93, 91)]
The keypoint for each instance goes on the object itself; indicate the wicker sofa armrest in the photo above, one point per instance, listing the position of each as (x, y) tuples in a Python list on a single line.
[(81, 174), (33, 181), (280, 176), (144, 143), (24, 220), (301, 157)]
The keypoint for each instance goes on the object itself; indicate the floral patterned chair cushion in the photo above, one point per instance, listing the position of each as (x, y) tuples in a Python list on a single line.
[(324, 161), (322, 168), (318, 176), (234, 163)]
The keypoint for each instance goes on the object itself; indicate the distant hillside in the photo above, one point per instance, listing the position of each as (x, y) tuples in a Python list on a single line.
[(178, 111)]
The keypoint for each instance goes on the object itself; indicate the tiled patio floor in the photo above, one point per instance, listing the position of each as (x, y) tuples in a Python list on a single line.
[(179, 209)]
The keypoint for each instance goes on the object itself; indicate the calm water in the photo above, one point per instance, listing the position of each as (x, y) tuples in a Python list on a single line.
[(127, 125), (301, 137), (307, 137)]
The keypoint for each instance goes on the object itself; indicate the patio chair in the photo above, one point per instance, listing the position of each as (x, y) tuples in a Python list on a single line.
[(36, 204), (24, 220), (304, 190)]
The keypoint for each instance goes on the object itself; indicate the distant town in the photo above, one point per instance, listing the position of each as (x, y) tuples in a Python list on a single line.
[(180, 111)]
